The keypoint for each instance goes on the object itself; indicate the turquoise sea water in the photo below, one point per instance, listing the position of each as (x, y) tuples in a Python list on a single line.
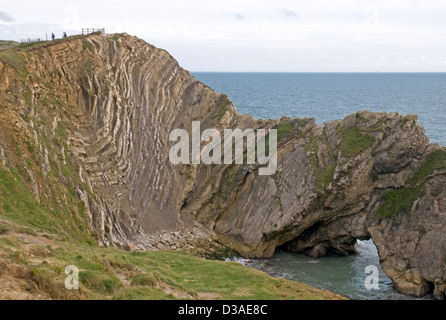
[(344, 275), (326, 97)]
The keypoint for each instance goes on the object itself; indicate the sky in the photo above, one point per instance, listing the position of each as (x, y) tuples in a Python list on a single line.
[(256, 35)]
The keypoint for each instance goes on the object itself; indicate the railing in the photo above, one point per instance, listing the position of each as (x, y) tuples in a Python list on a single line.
[(86, 31), (28, 40)]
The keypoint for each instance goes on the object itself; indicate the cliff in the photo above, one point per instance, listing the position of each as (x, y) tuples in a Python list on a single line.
[(85, 124)]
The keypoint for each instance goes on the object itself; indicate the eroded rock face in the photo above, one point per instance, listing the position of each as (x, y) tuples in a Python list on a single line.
[(112, 101)]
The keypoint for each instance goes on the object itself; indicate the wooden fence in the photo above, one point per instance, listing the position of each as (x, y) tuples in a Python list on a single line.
[(91, 30), (85, 31), (28, 40)]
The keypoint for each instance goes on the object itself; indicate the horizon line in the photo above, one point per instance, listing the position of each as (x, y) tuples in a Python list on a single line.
[(373, 72)]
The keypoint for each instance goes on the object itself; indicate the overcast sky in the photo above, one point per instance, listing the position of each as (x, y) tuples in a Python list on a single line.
[(257, 35)]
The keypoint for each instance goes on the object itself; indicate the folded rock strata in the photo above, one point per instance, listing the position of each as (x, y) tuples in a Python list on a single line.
[(111, 102)]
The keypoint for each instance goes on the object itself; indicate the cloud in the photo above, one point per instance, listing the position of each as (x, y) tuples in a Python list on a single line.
[(33, 30), (4, 17), (289, 13), (238, 17)]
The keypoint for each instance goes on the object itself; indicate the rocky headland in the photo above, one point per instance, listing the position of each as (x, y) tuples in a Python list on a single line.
[(85, 122)]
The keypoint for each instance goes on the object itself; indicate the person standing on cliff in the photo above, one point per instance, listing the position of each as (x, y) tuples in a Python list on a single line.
[(53, 36)]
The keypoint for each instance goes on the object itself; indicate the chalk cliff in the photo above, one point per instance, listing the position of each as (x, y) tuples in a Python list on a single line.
[(86, 122)]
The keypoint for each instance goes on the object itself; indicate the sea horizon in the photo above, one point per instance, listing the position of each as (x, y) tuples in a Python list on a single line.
[(328, 72)]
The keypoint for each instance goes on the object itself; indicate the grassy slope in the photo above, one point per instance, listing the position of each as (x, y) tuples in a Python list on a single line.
[(110, 273), (41, 234)]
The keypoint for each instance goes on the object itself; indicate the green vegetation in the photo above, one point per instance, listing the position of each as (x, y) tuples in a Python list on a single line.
[(115, 38), (61, 130), (397, 200), (144, 279), (221, 112), (436, 160), (19, 204), (4, 44), (86, 45), (222, 106), (359, 117), (51, 98), (30, 144), (354, 141), (110, 273), (283, 129), (26, 214), (31, 44), (324, 174), (13, 57)]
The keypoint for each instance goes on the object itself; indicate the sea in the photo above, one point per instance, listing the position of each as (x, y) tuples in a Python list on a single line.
[(327, 97)]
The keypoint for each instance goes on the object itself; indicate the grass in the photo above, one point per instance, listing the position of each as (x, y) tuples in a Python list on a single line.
[(21, 208), (142, 293), (360, 118), (436, 160), (28, 45), (61, 130), (354, 141), (324, 174), (13, 57), (19, 204), (59, 210), (143, 279), (283, 129), (188, 275), (4, 44), (222, 106), (115, 38), (221, 112), (395, 201), (110, 273), (86, 45)]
